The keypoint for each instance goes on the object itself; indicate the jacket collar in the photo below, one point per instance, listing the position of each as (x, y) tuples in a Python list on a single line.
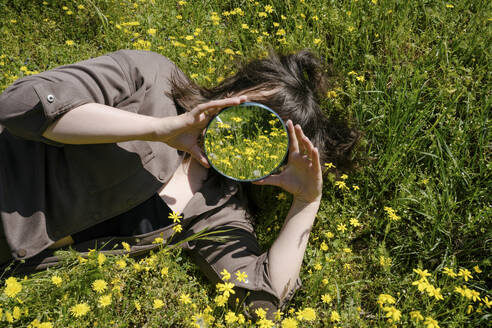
[(215, 192)]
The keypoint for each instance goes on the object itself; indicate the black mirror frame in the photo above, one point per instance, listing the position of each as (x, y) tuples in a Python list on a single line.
[(246, 104)]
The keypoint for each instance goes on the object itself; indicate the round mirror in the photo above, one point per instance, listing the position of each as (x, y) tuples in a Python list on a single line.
[(246, 142)]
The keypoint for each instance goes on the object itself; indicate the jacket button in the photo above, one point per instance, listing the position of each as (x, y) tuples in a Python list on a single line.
[(21, 253), (50, 98), (162, 175)]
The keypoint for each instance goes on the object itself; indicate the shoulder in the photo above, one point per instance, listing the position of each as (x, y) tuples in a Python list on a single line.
[(144, 60)]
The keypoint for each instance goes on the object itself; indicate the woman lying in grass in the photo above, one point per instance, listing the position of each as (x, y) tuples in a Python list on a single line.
[(97, 151)]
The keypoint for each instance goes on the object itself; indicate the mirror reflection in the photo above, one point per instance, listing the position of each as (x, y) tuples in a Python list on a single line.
[(246, 142)]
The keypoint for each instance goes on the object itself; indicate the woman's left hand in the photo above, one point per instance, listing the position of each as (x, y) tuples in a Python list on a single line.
[(302, 175)]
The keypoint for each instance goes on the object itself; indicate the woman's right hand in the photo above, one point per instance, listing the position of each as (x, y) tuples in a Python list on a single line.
[(182, 132)]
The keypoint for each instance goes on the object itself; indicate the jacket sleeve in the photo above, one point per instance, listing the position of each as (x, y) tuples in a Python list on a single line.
[(28, 107), (32, 103)]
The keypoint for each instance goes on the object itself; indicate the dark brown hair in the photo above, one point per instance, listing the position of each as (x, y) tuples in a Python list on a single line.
[(301, 83)]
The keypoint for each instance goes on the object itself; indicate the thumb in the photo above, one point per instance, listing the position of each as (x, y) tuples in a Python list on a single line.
[(197, 153), (273, 180)]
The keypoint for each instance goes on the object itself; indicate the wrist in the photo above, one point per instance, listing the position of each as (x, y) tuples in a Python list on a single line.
[(306, 202), (162, 128)]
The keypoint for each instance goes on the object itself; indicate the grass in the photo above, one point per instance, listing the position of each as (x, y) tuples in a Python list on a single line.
[(414, 75)]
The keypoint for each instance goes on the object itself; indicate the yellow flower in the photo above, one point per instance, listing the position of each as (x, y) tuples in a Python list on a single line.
[(230, 317), (245, 26), (179, 17), (101, 258), (416, 315), (226, 288), (281, 32), (81, 7), (221, 300), (104, 300), (354, 222), (241, 276), (421, 284), (477, 269), (16, 313), (323, 246), (57, 281), (384, 261), (13, 287), (326, 298), (289, 323), (262, 14), (178, 228), (308, 314), (329, 234), (264, 323), (45, 325), (341, 185), (486, 302), (69, 12), (344, 177), (330, 165), (430, 323), (69, 42), (449, 5), (164, 271), (185, 298), (385, 299), (334, 317), (269, 9), (137, 305), (260, 313), (342, 227), (449, 272), (421, 273), (158, 303), (317, 41), (225, 275), (229, 51), (80, 309), (8, 317), (158, 240), (391, 213), (392, 313), (151, 31), (126, 246), (99, 285), (360, 78), (189, 38), (121, 264), (465, 274)]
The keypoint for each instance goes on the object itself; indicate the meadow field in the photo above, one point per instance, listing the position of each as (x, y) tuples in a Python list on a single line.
[(402, 241)]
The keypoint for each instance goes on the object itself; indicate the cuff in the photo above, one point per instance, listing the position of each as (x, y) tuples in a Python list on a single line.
[(57, 98)]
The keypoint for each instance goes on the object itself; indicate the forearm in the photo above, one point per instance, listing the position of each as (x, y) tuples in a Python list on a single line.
[(96, 123), (286, 254)]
